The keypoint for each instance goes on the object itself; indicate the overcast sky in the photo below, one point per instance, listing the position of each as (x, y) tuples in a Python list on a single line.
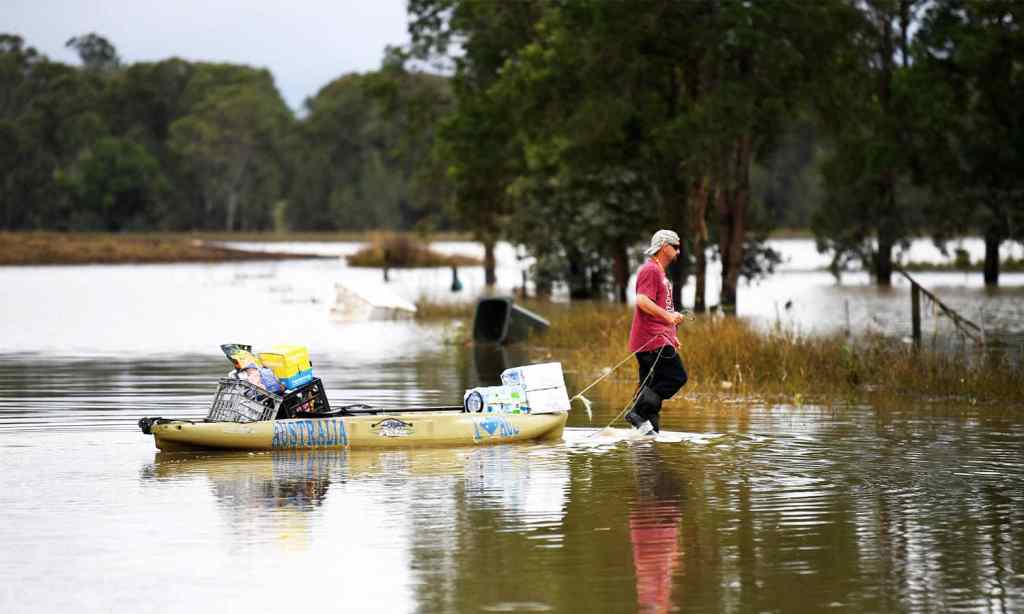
[(304, 43)]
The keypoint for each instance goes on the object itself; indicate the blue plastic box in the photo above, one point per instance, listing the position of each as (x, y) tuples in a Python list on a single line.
[(299, 379)]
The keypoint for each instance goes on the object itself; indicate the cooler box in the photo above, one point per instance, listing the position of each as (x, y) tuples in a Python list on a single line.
[(535, 377), (544, 385), (290, 364)]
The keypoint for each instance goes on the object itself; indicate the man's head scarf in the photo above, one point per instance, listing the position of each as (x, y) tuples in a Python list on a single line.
[(659, 240)]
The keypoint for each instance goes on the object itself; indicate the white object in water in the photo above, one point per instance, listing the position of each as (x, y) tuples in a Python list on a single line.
[(370, 303), (544, 385)]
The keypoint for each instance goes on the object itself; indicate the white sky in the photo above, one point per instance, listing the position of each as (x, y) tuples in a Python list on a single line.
[(305, 43)]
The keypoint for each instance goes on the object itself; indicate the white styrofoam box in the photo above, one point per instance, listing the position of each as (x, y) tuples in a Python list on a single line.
[(535, 377), (548, 400)]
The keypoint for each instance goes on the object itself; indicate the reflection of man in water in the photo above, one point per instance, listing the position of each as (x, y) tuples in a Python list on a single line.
[(654, 525), (653, 335)]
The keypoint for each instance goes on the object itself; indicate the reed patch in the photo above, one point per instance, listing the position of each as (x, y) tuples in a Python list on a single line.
[(728, 358)]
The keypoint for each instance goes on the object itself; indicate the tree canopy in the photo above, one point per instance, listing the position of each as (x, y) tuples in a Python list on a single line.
[(574, 128)]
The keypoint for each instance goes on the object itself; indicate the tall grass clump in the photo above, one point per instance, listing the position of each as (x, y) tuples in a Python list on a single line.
[(403, 251), (427, 310), (728, 357)]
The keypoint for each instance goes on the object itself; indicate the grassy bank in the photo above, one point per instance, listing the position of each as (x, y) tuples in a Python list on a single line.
[(729, 359), (34, 248), (108, 248)]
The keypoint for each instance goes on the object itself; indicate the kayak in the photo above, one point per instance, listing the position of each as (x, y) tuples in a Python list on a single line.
[(397, 429)]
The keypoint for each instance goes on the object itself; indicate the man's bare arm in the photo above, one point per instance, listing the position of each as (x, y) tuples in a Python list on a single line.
[(648, 306)]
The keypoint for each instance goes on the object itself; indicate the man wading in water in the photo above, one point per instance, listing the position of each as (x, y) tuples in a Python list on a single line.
[(653, 335)]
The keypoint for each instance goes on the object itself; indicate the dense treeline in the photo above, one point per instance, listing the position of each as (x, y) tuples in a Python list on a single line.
[(581, 125), (177, 145), (572, 127), (363, 154)]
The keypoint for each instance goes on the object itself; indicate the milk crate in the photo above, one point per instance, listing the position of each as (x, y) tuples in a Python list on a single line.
[(239, 401)]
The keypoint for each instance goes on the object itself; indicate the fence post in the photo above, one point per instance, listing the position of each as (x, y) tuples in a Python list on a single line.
[(915, 313)]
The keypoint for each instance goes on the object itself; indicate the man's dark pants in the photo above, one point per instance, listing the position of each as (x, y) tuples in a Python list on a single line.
[(668, 377)]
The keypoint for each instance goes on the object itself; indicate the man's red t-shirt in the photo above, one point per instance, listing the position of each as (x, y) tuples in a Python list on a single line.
[(651, 332)]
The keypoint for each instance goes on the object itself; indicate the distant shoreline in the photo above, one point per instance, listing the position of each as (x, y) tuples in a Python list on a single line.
[(71, 248), (54, 248)]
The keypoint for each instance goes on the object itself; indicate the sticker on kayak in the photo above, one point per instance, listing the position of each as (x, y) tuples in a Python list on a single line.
[(290, 434), (493, 426), (392, 427)]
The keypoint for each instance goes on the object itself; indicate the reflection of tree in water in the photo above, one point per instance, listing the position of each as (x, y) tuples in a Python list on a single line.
[(655, 518)]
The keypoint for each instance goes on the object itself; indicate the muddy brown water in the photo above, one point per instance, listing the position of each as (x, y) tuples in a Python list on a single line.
[(890, 506)]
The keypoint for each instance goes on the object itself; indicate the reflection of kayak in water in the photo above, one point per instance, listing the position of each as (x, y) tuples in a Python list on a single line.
[(308, 464), (379, 430)]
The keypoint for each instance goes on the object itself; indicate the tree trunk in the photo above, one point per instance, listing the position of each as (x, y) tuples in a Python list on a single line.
[(699, 231), (490, 278), (620, 270), (732, 220), (579, 282), (993, 239), (674, 217), (234, 190), (700, 280), (596, 284), (677, 275), (232, 208), (883, 261)]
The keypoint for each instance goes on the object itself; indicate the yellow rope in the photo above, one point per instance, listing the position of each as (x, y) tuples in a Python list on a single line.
[(636, 394)]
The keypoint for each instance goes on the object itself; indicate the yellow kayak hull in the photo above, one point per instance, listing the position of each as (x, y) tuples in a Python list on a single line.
[(374, 431)]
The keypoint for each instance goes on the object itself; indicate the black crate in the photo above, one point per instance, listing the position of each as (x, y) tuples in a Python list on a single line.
[(308, 400), (240, 401)]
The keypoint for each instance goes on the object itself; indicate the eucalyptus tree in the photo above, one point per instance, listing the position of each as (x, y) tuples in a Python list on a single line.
[(871, 202), (96, 52), (231, 146), (362, 154), (116, 185), (48, 118), (18, 156), (581, 93), (413, 103), (477, 140), (678, 97), (970, 76), (612, 118)]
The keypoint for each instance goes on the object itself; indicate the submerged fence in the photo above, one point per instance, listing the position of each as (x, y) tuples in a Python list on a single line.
[(967, 328)]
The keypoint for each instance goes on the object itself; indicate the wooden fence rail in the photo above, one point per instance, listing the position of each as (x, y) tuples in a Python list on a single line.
[(971, 330)]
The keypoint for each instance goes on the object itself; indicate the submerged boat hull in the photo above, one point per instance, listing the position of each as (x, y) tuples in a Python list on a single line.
[(383, 430)]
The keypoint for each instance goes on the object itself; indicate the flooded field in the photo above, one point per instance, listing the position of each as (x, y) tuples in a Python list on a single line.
[(897, 505)]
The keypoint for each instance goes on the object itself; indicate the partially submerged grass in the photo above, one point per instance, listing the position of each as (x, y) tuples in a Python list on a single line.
[(1009, 265), (729, 358), (430, 310), (404, 251), (34, 248)]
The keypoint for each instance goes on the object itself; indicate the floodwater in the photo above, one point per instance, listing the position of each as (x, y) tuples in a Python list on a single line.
[(897, 506)]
